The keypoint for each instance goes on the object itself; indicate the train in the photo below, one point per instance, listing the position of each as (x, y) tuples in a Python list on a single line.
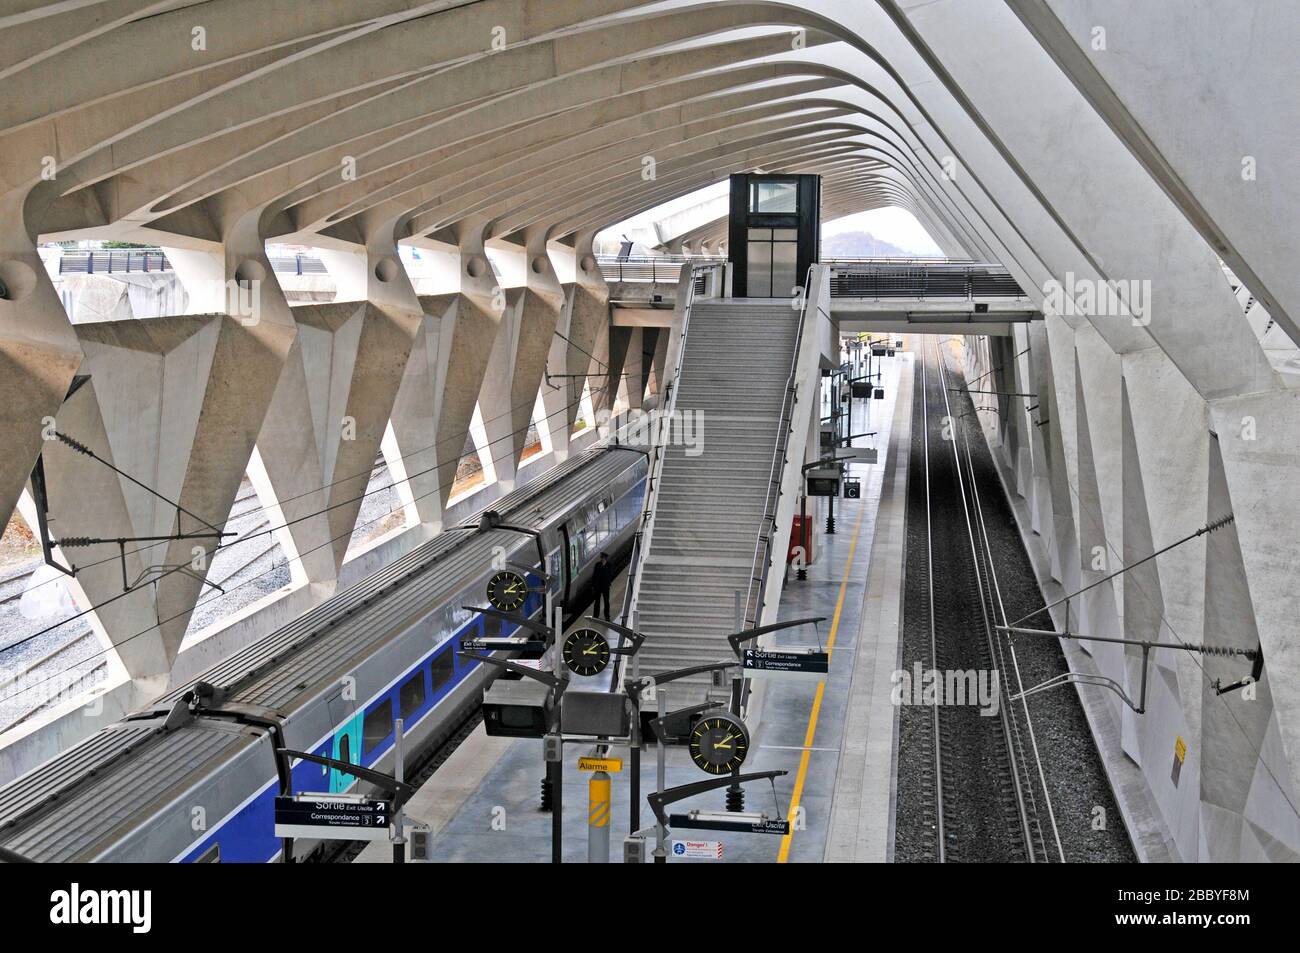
[(193, 777)]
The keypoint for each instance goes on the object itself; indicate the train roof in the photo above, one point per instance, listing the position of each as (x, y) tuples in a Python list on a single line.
[(81, 797), (537, 501), (273, 671), (76, 799)]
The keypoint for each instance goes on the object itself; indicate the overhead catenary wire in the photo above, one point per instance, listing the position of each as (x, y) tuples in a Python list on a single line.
[(1164, 622), (280, 502), (93, 608), (162, 622)]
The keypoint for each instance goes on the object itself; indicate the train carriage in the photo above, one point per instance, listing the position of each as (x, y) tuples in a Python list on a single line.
[(193, 778)]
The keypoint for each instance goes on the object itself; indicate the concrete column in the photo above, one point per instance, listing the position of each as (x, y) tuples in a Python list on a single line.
[(38, 349), (519, 357), (588, 320), (467, 335), (615, 386), (177, 403), (657, 345)]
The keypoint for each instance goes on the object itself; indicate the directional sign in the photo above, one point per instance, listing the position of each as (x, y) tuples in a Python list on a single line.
[(511, 643), (331, 817), (743, 823), (857, 454), (709, 849), (760, 663), (608, 765)]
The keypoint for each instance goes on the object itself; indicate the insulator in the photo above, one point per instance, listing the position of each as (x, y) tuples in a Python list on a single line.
[(1219, 523), (735, 799), (71, 541), (75, 445)]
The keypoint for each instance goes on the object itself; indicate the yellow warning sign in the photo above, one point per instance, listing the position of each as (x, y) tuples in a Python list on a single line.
[(1180, 748), (611, 765)]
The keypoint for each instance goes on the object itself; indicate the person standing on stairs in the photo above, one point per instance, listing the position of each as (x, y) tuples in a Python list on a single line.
[(601, 578)]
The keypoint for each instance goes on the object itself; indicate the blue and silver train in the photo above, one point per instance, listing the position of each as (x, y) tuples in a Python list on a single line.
[(194, 777)]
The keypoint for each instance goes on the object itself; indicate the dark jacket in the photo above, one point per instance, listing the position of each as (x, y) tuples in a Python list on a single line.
[(601, 576)]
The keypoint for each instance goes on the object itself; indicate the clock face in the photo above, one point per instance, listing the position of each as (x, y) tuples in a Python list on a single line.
[(586, 652), (719, 743), (507, 590)]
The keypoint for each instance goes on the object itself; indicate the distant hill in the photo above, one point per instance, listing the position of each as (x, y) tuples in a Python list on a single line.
[(860, 245)]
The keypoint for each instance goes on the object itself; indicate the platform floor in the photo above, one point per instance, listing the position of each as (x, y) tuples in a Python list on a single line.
[(835, 739)]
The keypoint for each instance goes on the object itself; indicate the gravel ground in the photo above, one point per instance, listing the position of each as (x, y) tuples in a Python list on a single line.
[(981, 823)]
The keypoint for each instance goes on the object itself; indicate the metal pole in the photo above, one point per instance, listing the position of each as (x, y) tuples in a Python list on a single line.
[(399, 838), (661, 852), (556, 771), (598, 810), (805, 537), (634, 765), (634, 788)]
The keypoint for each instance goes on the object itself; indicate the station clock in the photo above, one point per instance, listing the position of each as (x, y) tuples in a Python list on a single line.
[(506, 591), (586, 652), (719, 743)]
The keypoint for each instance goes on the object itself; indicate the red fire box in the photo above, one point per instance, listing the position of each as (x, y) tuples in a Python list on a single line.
[(801, 534)]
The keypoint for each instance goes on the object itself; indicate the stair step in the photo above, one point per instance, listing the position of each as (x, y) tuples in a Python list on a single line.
[(711, 500)]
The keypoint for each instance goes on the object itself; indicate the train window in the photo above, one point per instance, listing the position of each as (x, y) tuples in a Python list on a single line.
[(411, 695), (210, 856), (443, 669), (378, 725)]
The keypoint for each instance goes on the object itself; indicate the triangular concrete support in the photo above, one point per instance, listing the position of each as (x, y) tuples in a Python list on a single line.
[(519, 358), (39, 352)]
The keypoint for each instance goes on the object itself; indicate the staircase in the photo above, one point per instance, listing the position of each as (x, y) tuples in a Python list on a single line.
[(712, 498)]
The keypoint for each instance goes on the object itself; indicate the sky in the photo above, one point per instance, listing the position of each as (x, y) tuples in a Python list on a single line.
[(893, 225)]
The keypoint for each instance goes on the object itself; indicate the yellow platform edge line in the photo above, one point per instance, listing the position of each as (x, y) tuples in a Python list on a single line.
[(784, 854)]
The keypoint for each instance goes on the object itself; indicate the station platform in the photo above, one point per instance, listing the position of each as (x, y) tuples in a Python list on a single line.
[(834, 738)]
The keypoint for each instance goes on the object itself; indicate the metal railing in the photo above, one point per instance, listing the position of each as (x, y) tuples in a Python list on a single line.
[(920, 278), (653, 268), (641, 543), (762, 562), (109, 261)]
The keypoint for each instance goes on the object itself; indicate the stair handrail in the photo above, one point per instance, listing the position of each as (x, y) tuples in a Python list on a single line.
[(762, 561), (658, 429)]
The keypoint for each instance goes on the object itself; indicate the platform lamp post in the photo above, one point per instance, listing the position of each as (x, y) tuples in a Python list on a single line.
[(735, 793), (554, 768), (634, 687), (552, 607), (636, 639), (553, 743), (552, 617)]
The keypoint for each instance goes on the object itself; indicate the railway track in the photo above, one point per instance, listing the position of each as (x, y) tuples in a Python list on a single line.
[(975, 766)]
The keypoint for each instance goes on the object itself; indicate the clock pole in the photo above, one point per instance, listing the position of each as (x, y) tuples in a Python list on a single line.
[(661, 832)]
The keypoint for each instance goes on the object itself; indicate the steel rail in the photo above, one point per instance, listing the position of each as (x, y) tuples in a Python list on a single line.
[(941, 849), (984, 612), (1000, 610)]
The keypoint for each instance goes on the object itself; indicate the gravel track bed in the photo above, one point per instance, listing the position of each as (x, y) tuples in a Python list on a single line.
[(981, 821)]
